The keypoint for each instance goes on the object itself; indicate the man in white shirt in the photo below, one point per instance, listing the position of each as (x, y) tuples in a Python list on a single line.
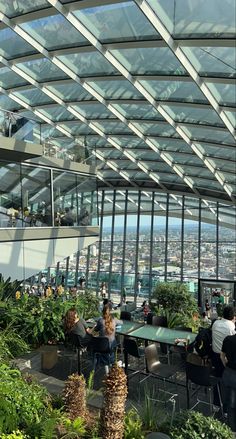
[(220, 329)]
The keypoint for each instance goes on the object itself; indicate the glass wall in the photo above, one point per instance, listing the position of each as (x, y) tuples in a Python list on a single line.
[(41, 197), (149, 237)]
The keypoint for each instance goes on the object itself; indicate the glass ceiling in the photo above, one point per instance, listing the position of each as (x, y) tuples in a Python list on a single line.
[(147, 86)]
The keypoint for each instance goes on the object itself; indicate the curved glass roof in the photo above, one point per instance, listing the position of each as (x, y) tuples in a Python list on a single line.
[(148, 87)]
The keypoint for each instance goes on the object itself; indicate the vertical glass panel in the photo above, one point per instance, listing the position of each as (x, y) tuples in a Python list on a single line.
[(106, 232), (117, 256), (208, 240), (191, 235), (227, 260), (117, 22), (64, 192), (159, 238), (227, 223), (174, 236), (10, 197), (119, 227), (36, 197)]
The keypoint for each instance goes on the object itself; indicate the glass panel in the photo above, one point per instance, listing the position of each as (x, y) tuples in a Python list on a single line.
[(10, 198), (19, 7), (112, 127), (156, 129), (205, 134), (9, 79), (178, 91), (116, 89), (117, 22), (70, 91), (89, 64), (208, 225), (140, 61), (12, 45), (190, 245), (205, 116), (33, 97), (36, 197), (7, 103), (46, 31), (137, 111), (227, 224), (42, 70), (227, 260), (208, 18), (94, 111), (19, 127), (224, 93), (57, 113), (214, 61), (77, 128)]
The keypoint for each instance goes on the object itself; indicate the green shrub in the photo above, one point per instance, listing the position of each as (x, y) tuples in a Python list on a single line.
[(175, 297), (40, 321), (195, 425), (23, 402), (14, 435), (133, 425)]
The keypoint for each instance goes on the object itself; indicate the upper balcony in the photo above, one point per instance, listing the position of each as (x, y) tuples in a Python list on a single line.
[(24, 138)]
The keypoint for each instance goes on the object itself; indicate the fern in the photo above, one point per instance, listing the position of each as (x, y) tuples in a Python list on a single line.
[(49, 425)]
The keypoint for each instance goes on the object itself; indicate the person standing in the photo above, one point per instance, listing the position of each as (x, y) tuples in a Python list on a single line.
[(228, 358), (221, 328)]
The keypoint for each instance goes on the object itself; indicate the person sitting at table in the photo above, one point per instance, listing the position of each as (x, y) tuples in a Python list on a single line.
[(73, 324), (106, 326)]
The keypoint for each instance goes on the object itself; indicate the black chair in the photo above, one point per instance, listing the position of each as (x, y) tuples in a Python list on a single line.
[(149, 318), (131, 348), (125, 315), (101, 352), (201, 376), (76, 347)]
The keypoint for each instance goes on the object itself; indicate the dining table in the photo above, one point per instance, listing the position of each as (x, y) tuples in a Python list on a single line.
[(157, 334)]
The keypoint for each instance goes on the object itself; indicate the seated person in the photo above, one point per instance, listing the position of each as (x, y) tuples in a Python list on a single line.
[(107, 302), (73, 324), (106, 326)]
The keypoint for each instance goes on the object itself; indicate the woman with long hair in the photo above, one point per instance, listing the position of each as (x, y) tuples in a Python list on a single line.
[(106, 325), (73, 324)]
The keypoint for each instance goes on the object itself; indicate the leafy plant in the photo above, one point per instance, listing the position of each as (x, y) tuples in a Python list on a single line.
[(11, 344), (195, 425), (23, 403), (40, 320), (75, 428), (8, 288), (175, 298), (133, 425), (14, 435)]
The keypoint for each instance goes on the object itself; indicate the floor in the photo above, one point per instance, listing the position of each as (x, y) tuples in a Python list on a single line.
[(168, 397)]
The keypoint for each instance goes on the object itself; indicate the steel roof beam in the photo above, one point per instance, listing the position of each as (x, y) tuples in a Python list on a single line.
[(183, 59), (108, 55), (76, 113)]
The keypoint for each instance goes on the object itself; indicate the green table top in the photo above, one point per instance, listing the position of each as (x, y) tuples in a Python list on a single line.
[(127, 327), (162, 335)]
